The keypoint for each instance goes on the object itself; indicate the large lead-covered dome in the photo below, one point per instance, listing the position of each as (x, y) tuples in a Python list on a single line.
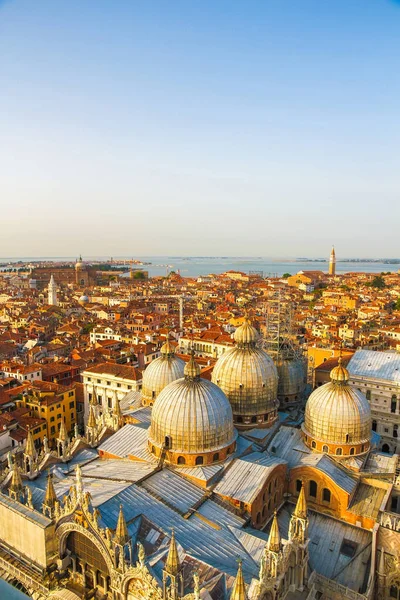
[(338, 417), (249, 378), (191, 421), (160, 373)]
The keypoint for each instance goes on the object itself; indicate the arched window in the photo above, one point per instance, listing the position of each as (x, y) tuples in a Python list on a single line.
[(269, 505), (339, 451), (298, 485), (313, 488), (393, 404), (395, 431), (326, 495), (181, 460), (216, 457), (325, 449), (374, 425), (385, 448), (269, 487), (239, 419), (199, 460), (275, 497), (368, 395), (258, 519), (347, 438), (86, 551), (394, 591), (264, 510), (167, 441), (254, 419), (352, 450), (313, 444), (276, 482)]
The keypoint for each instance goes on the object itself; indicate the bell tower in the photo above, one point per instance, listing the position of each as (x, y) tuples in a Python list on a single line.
[(52, 292), (332, 262)]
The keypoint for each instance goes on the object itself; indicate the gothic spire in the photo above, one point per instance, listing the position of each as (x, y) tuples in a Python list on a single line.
[(173, 565), (239, 587), (16, 482), (62, 434), (92, 419), (301, 506), (274, 540), (30, 449), (121, 531), (50, 497)]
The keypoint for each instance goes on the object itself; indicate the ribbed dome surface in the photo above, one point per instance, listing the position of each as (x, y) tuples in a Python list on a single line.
[(246, 333), (291, 377), (249, 378), (161, 372), (195, 414), (339, 414)]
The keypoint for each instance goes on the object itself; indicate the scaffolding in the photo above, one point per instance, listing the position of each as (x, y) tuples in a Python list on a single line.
[(280, 340), (282, 345)]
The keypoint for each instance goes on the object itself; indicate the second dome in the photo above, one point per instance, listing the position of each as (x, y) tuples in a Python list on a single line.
[(161, 372), (249, 378)]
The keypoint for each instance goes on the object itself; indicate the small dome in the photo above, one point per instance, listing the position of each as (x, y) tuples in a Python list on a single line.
[(161, 372), (338, 416), (83, 299), (291, 380), (249, 378), (192, 418)]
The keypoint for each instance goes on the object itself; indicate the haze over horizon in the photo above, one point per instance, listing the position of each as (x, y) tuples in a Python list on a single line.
[(179, 129)]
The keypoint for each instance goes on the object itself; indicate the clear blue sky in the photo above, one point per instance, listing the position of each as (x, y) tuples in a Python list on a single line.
[(150, 127)]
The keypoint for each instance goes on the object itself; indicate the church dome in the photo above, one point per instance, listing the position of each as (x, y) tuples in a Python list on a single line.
[(191, 421), (83, 299), (79, 263), (338, 417), (249, 378), (161, 372), (291, 380)]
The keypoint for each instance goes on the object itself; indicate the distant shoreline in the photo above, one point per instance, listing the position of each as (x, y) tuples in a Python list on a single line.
[(24, 259)]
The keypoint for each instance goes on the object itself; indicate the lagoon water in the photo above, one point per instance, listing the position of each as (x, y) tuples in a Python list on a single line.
[(195, 266), (8, 592)]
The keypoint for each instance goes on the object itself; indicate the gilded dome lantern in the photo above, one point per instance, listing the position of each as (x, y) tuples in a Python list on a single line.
[(249, 378)]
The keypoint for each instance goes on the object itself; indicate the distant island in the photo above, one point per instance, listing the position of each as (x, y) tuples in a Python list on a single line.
[(384, 261)]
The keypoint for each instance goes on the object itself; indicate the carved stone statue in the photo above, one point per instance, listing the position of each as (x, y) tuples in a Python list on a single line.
[(141, 554), (78, 482), (196, 582), (46, 448), (29, 497)]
